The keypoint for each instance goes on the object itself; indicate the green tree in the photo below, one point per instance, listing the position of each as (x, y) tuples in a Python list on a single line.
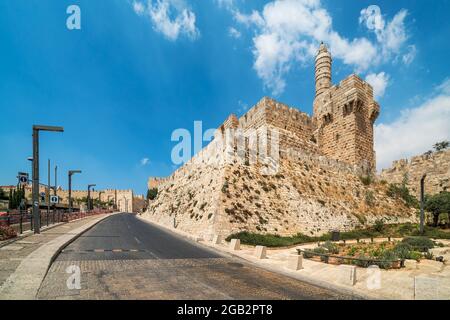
[(10, 199), (437, 204), (3, 195), (152, 193), (439, 146)]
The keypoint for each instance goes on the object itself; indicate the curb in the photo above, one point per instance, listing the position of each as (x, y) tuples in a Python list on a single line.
[(25, 282)]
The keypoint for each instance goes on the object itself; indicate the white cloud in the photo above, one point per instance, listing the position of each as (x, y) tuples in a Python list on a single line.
[(410, 55), (444, 87), (138, 7), (234, 33), (289, 31), (391, 35), (228, 4), (172, 18), (416, 130), (379, 82), (145, 161)]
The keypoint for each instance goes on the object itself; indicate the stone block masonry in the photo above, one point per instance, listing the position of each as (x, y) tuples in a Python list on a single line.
[(317, 186), (436, 165)]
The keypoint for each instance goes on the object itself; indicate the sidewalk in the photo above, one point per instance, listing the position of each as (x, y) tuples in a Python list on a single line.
[(425, 280), (24, 263)]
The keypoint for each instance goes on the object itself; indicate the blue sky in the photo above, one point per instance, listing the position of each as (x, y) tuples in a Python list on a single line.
[(138, 70)]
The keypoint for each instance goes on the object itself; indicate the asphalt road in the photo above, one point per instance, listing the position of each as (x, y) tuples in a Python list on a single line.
[(123, 257)]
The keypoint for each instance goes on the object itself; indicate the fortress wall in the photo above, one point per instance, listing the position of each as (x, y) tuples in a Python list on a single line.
[(436, 166)]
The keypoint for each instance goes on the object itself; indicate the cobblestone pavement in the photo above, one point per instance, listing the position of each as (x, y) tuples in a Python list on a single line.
[(11, 255), (118, 260)]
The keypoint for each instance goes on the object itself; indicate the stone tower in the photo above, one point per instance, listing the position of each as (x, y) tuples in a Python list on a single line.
[(323, 70), (344, 115)]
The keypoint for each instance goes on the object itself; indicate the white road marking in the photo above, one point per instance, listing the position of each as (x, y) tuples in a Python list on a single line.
[(137, 240)]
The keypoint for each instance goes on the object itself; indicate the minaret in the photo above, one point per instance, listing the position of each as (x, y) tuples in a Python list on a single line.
[(322, 71)]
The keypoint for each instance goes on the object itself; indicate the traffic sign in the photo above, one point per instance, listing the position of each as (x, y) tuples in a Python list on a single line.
[(23, 178), (54, 199)]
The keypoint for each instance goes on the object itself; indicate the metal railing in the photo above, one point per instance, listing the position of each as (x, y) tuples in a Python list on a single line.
[(361, 262), (22, 220)]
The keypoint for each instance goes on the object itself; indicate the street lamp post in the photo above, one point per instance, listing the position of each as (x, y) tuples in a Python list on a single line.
[(422, 200), (48, 190), (35, 188), (89, 196), (56, 179), (71, 172)]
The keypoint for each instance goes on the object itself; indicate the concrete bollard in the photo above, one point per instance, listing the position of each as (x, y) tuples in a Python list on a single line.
[(217, 239), (347, 275), (295, 262), (235, 244), (260, 252)]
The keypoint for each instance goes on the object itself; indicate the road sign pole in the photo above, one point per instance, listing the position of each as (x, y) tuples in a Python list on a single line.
[(35, 187), (48, 190), (56, 179)]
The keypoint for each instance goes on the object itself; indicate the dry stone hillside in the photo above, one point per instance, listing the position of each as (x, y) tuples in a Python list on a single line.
[(304, 196)]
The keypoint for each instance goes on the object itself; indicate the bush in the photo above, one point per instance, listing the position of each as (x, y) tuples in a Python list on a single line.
[(401, 191), (379, 225), (152, 193), (403, 250), (331, 247), (422, 244), (366, 180), (370, 198), (7, 232), (415, 255)]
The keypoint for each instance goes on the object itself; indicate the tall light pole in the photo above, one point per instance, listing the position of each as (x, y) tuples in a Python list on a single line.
[(56, 179), (48, 190), (422, 200), (35, 188), (71, 173), (89, 196)]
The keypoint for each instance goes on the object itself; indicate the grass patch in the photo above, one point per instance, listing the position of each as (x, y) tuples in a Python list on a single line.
[(396, 230)]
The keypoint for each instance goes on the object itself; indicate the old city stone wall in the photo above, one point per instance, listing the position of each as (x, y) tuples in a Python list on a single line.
[(316, 185), (309, 194), (126, 200), (436, 166)]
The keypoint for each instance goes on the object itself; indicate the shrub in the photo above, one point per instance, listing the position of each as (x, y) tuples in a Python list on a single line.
[(225, 187), (401, 191), (415, 255), (370, 198), (379, 225), (422, 244), (403, 250), (387, 257), (7, 232), (428, 255), (331, 247), (152, 193), (366, 180)]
